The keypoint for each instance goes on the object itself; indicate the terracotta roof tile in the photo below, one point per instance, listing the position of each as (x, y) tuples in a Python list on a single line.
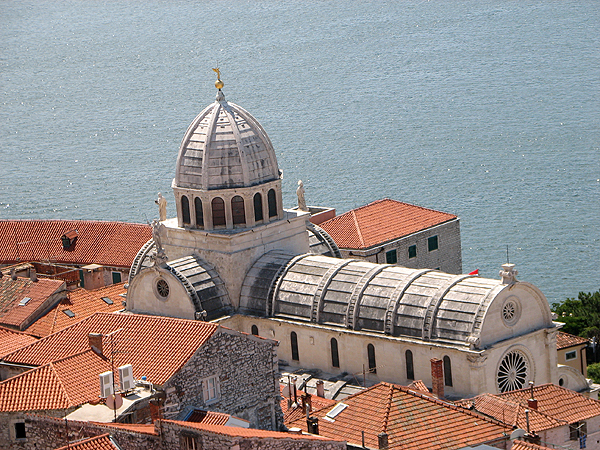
[(142, 428), (566, 340), (557, 402), (410, 419), (156, 346), (381, 221), (11, 340), (521, 445), (208, 417), (291, 414), (102, 442), (107, 243), (245, 432), (12, 292), (82, 303), (418, 385)]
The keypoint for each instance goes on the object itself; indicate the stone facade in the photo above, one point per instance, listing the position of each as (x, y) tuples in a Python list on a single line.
[(47, 433), (447, 257), (246, 368)]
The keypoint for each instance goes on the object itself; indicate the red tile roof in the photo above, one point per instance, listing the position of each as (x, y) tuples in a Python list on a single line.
[(108, 243), (381, 221), (418, 385), (245, 432), (11, 340), (521, 445), (410, 419), (102, 442), (82, 303), (156, 346), (12, 292), (208, 417), (566, 340), (142, 428), (291, 414), (557, 406)]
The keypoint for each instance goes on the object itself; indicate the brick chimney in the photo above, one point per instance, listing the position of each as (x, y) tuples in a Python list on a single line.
[(383, 440), (532, 403), (95, 340), (13, 274), (320, 389), (312, 425), (437, 377), (33, 275)]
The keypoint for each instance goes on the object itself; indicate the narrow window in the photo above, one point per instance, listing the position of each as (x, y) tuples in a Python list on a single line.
[(372, 362), (272, 203), (254, 330), (571, 355), (412, 251), (294, 340), (238, 211), (185, 210), (335, 357), (410, 369), (116, 277), (447, 371), (210, 389), (218, 212), (391, 257), (20, 430), (199, 212), (258, 212), (432, 243)]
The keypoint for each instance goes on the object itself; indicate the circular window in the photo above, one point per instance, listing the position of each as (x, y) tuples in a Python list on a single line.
[(561, 382), (513, 371), (511, 311), (162, 288)]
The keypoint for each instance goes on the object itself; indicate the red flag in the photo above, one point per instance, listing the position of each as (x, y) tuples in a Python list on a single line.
[(475, 272)]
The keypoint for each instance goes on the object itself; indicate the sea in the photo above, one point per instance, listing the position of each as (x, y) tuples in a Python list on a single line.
[(486, 109)]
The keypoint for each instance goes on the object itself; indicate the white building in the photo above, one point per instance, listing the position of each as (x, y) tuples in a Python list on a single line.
[(234, 254)]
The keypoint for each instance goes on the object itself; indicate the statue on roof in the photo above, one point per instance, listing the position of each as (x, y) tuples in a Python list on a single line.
[(157, 229), (162, 207), (300, 194)]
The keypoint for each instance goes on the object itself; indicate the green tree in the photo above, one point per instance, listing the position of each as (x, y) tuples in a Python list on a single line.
[(581, 316), (593, 372)]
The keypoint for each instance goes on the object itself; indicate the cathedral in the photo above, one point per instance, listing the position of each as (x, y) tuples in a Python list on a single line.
[(236, 256)]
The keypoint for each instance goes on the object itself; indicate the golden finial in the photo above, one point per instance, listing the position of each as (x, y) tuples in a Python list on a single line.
[(218, 84)]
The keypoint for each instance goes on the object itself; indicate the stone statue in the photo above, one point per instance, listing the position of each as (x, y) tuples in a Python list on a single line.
[(162, 207), (157, 229), (300, 194)]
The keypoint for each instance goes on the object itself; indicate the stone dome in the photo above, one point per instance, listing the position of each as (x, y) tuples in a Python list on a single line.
[(225, 147)]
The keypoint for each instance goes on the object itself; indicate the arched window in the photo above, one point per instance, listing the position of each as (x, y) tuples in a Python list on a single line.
[(254, 330), (218, 212), (199, 212), (447, 371), (272, 200), (294, 340), (238, 211), (335, 357), (258, 212), (371, 354), (410, 369), (185, 210)]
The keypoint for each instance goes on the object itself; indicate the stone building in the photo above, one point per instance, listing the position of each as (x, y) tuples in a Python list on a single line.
[(233, 254), (392, 232), (180, 364)]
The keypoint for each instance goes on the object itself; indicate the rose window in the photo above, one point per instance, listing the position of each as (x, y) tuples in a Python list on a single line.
[(162, 288), (510, 312), (513, 371)]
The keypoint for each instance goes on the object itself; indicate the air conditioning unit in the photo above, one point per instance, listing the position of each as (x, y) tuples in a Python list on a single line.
[(106, 384), (126, 380)]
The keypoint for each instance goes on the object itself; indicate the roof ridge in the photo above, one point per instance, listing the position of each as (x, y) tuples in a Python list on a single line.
[(388, 408), (360, 236), (60, 383)]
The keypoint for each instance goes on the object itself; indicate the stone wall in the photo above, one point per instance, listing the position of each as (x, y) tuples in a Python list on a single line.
[(248, 382)]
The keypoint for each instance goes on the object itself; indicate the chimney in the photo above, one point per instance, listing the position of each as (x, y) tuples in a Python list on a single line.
[(306, 403), (508, 273), (312, 424), (95, 342), (437, 377), (320, 389), (33, 275), (383, 440), (532, 403), (13, 274)]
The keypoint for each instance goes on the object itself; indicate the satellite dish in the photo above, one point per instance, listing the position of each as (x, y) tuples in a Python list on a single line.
[(114, 401), (517, 434)]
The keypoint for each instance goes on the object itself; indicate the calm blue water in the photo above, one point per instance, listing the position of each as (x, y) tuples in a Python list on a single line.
[(486, 109)]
